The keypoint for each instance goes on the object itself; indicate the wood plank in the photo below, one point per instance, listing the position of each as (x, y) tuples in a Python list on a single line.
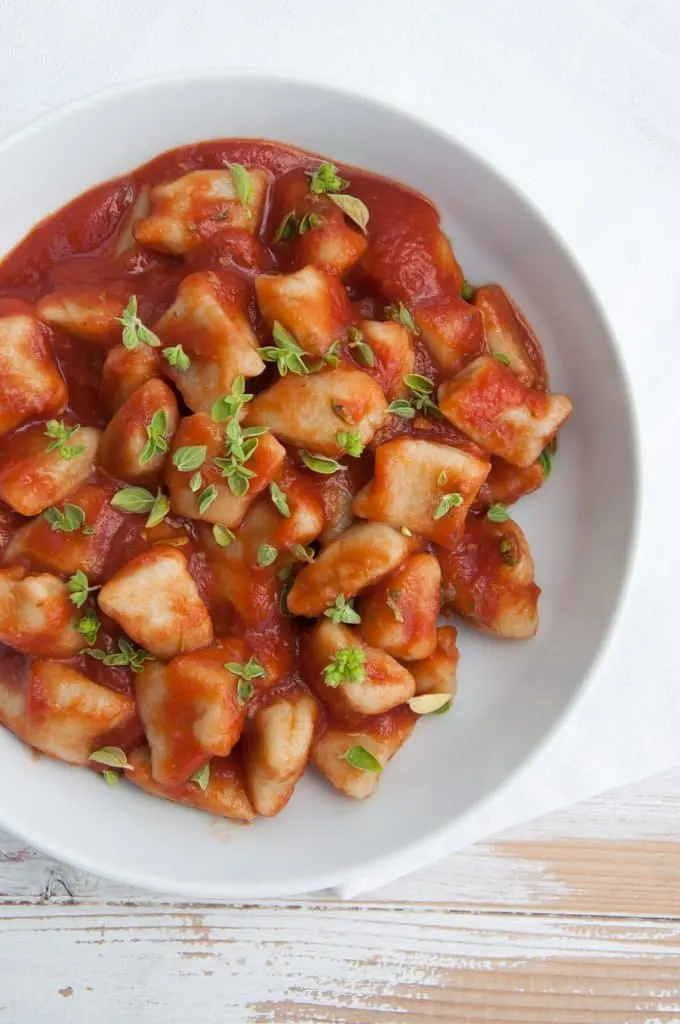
[(337, 964), (617, 854)]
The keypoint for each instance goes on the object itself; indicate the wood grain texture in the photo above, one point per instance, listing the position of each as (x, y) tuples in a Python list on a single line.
[(571, 919)]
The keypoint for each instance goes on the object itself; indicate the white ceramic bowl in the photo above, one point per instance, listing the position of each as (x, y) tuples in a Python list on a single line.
[(580, 526)]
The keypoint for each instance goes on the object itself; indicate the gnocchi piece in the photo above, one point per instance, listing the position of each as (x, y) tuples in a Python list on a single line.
[(136, 439), (189, 210), (489, 579), (405, 259), (125, 370), (489, 404), (253, 590), (508, 335), (154, 599), (190, 710), (437, 672), (448, 480), (362, 556), (65, 551), (33, 478), (36, 615), (224, 794), (394, 354), (384, 683), (310, 304), (31, 383), (452, 330), (216, 336), (331, 244), (506, 483), (277, 743), (381, 736), (227, 508), (311, 412), (399, 615), (61, 712), (88, 313)]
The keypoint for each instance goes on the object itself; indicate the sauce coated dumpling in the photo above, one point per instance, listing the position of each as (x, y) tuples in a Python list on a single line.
[(155, 600), (488, 578), (186, 212), (489, 404), (31, 382), (213, 330), (61, 712)]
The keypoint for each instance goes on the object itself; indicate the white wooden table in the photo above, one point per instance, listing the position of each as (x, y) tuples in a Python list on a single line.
[(573, 919)]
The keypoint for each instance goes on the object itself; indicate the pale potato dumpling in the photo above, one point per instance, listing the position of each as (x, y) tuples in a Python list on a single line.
[(489, 579), (437, 673), (224, 794), (333, 244), (125, 370), (189, 210), (311, 411), (412, 478), (216, 335), (386, 683), (508, 335), (452, 330), (381, 736), (122, 448), (310, 304), (489, 404), (31, 383), (394, 354), (253, 590), (506, 483), (62, 713), (32, 479), (36, 615), (155, 600), (38, 544), (361, 556), (90, 314), (276, 743), (190, 710), (227, 508), (400, 613)]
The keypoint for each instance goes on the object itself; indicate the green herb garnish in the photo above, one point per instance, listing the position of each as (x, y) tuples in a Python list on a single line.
[(61, 439), (134, 331), (177, 358), (230, 405), (157, 442), (363, 760), (325, 179), (78, 587), (279, 499), (286, 352), (346, 666), (343, 610), (446, 503)]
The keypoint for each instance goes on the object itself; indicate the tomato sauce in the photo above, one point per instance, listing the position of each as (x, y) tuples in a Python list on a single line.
[(89, 244)]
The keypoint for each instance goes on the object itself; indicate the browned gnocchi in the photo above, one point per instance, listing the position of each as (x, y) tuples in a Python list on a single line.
[(256, 433)]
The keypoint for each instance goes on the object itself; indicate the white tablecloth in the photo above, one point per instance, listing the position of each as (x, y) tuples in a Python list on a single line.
[(579, 103)]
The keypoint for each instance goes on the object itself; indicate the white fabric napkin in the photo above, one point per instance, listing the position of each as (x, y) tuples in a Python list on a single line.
[(580, 105)]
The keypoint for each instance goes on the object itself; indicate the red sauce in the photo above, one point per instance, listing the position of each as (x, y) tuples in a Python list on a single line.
[(408, 260)]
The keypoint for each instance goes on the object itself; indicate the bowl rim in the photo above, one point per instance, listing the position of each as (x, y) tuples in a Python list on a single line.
[(437, 842)]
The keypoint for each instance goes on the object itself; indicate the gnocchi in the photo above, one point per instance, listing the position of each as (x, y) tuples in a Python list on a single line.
[(257, 433)]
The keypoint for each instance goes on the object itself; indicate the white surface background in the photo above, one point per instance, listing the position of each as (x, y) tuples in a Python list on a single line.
[(579, 104)]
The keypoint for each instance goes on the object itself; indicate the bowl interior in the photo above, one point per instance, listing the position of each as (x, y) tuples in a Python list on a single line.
[(510, 696)]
